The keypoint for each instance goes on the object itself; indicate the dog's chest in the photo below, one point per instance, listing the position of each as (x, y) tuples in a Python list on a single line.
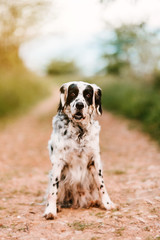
[(76, 143), (78, 147)]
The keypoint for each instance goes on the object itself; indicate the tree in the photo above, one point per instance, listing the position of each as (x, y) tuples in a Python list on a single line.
[(19, 20), (131, 49)]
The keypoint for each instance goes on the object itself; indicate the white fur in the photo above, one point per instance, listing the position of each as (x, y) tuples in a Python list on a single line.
[(76, 176)]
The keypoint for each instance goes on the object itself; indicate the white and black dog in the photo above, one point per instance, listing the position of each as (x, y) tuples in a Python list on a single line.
[(76, 178)]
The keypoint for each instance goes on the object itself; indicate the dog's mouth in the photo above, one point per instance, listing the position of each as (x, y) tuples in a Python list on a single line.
[(78, 116)]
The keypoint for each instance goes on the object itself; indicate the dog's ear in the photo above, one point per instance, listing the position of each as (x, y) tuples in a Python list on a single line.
[(63, 94), (98, 95)]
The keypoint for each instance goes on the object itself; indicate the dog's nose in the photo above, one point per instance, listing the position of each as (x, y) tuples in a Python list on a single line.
[(79, 105)]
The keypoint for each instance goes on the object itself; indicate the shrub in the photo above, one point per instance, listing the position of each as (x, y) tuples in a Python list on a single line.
[(135, 102), (19, 89), (61, 68), (156, 79)]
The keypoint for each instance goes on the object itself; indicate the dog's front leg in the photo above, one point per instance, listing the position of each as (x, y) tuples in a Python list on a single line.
[(96, 170), (55, 176)]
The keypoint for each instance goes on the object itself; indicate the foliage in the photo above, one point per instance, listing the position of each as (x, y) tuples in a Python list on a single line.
[(20, 20), (19, 89), (61, 68), (136, 102), (134, 89), (129, 49), (156, 79)]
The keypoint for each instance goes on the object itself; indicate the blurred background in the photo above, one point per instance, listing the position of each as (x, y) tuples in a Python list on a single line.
[(113, 43)]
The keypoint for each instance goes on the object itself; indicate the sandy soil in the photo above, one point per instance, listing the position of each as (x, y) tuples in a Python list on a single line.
[(131, 171)]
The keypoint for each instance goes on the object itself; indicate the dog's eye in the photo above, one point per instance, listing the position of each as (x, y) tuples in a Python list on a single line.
[(88, 95), (73, 94)]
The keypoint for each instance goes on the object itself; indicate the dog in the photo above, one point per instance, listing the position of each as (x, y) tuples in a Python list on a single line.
[(76, 178)]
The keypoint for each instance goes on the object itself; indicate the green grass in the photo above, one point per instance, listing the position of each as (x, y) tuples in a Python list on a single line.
[(19, 90), (80, 225), (135, 101)]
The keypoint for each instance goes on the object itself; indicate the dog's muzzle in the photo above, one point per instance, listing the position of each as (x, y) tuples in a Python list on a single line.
[(79, 114)]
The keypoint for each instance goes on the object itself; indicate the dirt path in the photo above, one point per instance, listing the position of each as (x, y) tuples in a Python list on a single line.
[(131, 172)]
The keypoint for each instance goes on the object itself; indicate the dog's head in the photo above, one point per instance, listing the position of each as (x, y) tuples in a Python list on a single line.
[(80, 100)]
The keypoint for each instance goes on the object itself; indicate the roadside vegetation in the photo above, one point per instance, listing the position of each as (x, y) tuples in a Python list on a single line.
[(136, 102), (61, 68), (19, 88), (131, 81)]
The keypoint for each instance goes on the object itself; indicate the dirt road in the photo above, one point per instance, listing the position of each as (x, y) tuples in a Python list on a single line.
[(131, 163)]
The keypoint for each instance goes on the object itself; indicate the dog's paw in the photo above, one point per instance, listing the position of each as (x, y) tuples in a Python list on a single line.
[(110, 205), (49, 216), (50, 213)]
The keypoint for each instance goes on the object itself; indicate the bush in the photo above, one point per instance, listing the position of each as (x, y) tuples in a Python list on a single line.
[(135, 102), (61, 68), (156, 79), (19, 89)]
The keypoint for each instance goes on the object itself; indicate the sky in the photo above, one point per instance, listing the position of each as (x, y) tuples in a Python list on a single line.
[(72, 28)]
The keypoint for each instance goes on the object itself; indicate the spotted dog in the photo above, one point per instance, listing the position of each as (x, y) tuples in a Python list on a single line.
[(76, 178)]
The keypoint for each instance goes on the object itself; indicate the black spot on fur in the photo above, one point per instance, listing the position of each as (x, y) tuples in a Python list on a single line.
[(51, 148), (65, 132), (98, 95), (101, 186), (53, 193), (91, 163), (60, 108), (81, 132), (57, 185), (54, 184), (72, 93), (107, 202), (47, 204), (88, 95), (103, 192), (62, 91), (56, 179)]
